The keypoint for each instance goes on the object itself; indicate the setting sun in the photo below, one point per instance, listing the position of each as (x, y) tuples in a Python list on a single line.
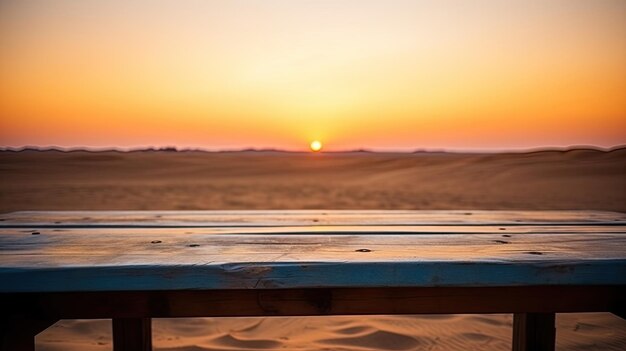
[(316, 145)]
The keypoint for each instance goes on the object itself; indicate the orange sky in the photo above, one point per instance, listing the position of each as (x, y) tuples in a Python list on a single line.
[(355, 74)]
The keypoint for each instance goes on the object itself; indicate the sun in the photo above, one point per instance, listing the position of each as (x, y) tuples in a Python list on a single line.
[(316, 146)]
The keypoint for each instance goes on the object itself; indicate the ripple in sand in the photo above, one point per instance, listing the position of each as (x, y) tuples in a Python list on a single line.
[(432, 316), (354, 330), (378, 340), (234, 343), (479, 337), (189, 327), (495, 320)]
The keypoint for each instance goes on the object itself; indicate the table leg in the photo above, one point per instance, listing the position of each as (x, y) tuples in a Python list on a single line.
[(534, 331), (132, 334)]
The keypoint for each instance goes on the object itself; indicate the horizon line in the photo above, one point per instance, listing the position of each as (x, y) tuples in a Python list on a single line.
[(278, 150)]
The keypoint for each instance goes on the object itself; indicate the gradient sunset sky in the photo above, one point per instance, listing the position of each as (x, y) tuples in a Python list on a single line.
[(382, 75)]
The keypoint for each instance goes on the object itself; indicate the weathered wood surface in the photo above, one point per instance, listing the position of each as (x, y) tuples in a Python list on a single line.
[(325, 230), (394, 249), (302, 218)]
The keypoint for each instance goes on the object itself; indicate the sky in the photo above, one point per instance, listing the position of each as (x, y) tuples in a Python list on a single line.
[(373, 74)]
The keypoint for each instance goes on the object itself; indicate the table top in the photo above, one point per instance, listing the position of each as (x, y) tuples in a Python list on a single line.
[(48, 251)]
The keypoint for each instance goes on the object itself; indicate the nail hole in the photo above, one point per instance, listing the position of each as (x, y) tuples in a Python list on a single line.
[(363, 250), (502, 228), (468, 213), (57, 222), (155, 242), (316, 220), (534, 253), (193, 245), (35, 233), (501, 241), (506, 236)]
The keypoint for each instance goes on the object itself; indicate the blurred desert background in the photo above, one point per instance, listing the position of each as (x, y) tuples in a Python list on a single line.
[(485, 76), (167, 180)]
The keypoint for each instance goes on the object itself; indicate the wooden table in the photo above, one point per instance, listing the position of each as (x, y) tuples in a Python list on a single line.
[(133, 266)]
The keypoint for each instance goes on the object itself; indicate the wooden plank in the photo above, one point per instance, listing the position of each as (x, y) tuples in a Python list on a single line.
[(302, 217), (132, 334), (263, 276), (534, 332), (325, 230), (71, 248), (303, 302), (60, 262)]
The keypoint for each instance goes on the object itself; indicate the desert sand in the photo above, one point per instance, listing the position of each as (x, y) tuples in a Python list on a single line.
[(575, 179)]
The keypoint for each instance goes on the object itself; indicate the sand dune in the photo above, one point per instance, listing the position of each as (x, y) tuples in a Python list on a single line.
[(577, 179), (589, 331)]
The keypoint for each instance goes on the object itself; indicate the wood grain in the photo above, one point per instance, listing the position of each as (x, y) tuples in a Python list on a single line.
[(302, 218), (142, 258)]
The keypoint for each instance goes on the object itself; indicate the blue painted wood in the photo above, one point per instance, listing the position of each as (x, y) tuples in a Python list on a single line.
[(131, 259), (261, 275)]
